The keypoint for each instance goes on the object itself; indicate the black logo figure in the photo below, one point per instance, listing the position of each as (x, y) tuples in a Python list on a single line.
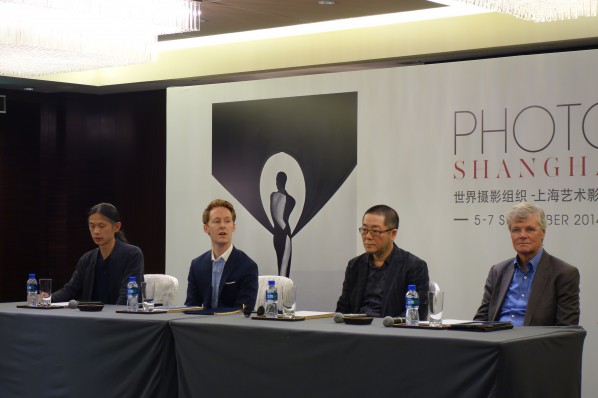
[(319, 132), (281, 206)]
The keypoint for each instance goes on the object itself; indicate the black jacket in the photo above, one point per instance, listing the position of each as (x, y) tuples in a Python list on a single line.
[(125, 260), (405, 269)]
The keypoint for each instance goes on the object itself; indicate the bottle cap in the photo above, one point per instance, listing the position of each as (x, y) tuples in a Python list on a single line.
[(131, 279), (411, 287), (31, 276), (271, 283)]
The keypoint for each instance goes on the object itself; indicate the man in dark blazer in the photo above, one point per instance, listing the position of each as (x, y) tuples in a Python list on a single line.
[(125, 260), (223, 277), (102, 274), (376, 281), (534, 288)]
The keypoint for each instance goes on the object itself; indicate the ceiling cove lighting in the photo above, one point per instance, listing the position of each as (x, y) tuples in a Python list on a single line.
[(536, 10), (454, 10), (40, 37)]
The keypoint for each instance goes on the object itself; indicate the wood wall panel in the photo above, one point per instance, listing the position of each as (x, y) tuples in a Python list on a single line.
[(62, 153)]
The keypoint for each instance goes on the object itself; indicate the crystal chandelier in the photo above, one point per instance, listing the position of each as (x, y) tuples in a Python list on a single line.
[(53, 36), (539, 10)]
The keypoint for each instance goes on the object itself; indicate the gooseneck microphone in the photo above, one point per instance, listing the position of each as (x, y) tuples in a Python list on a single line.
[(390, 321), (340, 318), (73, 304)]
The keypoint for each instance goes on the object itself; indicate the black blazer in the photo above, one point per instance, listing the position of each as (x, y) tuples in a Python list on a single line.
[(405, 269), (238, 284), (125, 260), (554, 300)]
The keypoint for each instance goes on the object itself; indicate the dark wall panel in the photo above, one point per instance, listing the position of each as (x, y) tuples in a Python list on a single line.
[(61, 154), (19, 193)]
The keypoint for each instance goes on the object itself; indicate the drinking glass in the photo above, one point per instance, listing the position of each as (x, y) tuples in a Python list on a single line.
[(435, 305), (148, 290), (45, 292), (289, 302)]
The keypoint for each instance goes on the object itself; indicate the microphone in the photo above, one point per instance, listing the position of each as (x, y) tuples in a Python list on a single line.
[(340, 318), (247, 310), (73, 304), (261, 310), (390, 321)]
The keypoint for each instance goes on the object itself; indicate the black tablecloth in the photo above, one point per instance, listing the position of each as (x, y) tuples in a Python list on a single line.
[(233, 356), (68, 353)]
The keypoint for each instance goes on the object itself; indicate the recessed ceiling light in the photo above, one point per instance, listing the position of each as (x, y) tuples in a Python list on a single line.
[(326, 3), (28, 89)]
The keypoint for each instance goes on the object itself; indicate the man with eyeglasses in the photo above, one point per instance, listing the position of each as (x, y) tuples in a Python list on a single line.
[(534, 288), (376, 281)]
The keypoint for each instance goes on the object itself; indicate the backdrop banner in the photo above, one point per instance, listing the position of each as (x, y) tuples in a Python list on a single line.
[(452, 147)]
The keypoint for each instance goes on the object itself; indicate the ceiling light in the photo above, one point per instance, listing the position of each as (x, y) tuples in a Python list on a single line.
[(54, 36), (535, 10)]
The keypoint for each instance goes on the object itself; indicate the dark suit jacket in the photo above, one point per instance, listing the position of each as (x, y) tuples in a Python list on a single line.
[(405, 269), (238, 284), (554, 300), (125, 260)]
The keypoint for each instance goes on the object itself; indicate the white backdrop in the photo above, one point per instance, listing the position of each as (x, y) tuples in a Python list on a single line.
[(451, 147)]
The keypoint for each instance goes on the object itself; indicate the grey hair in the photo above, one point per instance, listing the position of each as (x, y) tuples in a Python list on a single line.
[(522, 211)]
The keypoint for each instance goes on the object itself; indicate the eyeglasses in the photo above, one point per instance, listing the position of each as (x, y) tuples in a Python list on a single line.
[(374, 232)]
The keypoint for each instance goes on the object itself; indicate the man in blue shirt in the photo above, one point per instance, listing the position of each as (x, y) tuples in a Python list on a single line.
[(223, 277), (534, 288)]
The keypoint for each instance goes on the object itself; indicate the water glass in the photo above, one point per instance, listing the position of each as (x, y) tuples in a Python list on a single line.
[(289, 302), (435, 307), (45, 292), (148, 291)]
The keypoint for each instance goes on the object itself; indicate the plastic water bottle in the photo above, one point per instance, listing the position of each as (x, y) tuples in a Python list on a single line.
[(32, 291), (132, 295), (271, 300), (411, 306)]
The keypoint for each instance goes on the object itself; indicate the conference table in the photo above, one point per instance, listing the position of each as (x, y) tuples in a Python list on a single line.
[(68, 353), (227, 356)]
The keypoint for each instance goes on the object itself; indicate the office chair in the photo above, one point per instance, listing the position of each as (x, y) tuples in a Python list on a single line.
[(166, 288), (282, 284)]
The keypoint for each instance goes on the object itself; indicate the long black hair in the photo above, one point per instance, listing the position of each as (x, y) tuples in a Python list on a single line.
[(109, 211)]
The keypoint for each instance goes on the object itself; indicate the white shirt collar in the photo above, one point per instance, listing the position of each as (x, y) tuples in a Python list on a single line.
[(224, 255)]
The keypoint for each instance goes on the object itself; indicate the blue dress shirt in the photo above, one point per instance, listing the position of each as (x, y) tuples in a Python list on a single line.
[(217, 269), (515, 302)]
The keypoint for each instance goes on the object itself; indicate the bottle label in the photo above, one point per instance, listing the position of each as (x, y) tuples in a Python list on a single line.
[(132, 291), (271, 296), (412, 302), (31, 289)]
